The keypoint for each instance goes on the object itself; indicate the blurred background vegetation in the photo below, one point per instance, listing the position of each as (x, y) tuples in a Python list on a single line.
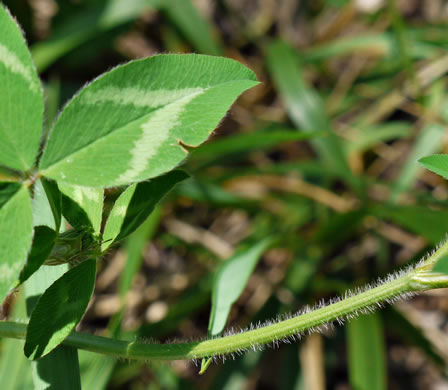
[(322, 154)]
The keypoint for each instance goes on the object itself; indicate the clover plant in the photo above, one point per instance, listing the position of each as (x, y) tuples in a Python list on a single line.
[(130, 128)]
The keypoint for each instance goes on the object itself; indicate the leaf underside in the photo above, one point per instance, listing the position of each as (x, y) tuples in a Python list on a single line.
[(135, 204)]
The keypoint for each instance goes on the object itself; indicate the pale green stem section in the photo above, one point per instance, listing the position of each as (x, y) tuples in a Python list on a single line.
[(419, 279)]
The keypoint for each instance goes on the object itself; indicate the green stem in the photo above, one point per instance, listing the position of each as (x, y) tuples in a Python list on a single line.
[(414, 280)]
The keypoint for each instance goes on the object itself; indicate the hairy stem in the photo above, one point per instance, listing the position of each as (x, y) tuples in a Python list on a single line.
[(407, 282)]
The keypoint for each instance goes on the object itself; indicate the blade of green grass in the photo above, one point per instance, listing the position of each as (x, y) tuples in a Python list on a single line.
[(306, 109), (134, 248), (195, 28), (372, 135), (366, 353), (96, 370), (88, 24), (429, 223), (247, 142), (15, 369), (428, 141)]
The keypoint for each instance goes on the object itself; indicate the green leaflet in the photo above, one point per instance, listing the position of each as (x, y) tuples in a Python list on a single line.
[(135, 204), (46, 205), (21, 103), (366, 353), (43, 242), (437, 163), (230, 282), (59, 369), (59, 309), (15, 238), (429, 223), (129, 124), (83, 206)]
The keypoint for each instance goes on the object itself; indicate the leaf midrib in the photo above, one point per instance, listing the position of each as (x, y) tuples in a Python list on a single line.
[(130, 123)]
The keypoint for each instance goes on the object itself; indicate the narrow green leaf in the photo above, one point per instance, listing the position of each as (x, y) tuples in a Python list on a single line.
[(432, 224), (372, 135), (306, 109), (82, 206), (15, 369), (210, 193), (230, 281), (96, 370), (187, 19), (379, 44), (135, 204), (366, 353), (59, 309), (135, 245), (21, 102), (428, 141), (247, 142), (437, 163), (88, 24), (136, 117), (16, 233), (59, 369)]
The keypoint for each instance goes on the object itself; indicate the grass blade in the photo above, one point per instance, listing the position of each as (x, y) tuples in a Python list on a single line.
[(187, 19), (366, 352), (306, 109)]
